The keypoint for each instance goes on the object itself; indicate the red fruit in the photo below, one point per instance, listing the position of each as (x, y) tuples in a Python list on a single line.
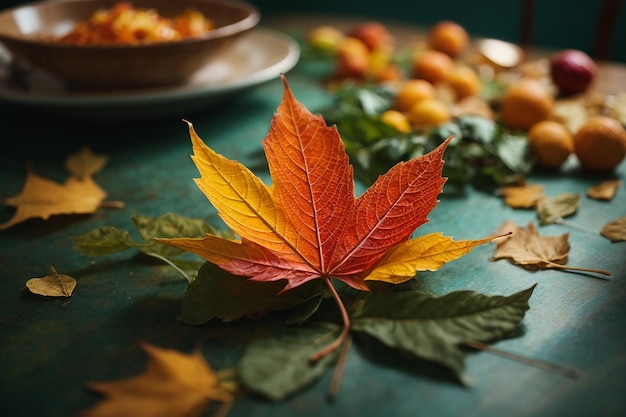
[(373, 34), (572, 71)]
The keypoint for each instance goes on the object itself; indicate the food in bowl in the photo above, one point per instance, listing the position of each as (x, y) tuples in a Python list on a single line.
[(125, 24), (26, 32)]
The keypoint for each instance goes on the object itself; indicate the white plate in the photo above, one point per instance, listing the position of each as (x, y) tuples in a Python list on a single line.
[(259, 56)]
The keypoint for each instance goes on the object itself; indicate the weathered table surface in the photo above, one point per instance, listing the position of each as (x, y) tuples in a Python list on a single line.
[(51, 348)]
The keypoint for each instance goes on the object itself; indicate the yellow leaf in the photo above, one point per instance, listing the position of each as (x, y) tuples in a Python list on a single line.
[(524, 196), (85, 163), (42, 198), (52, 285), (424, 253), (172, 385), (242, 200)]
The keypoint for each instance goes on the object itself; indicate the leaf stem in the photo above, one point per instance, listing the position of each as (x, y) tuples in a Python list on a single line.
[(172, 264), (328, 349), (577, 268), (112, 204), (333, 390), (570, 373), (562, 222)]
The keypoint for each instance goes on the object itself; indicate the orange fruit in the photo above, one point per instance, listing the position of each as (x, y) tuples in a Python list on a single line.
[(429, 112), (600, 143), (432, 66), (448, 37), (551, 143), (397, 120), (525, 103), (325, 38), (411, 91), (465, 82)]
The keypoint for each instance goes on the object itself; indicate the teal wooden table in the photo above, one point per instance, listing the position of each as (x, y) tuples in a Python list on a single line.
[(51, 348)]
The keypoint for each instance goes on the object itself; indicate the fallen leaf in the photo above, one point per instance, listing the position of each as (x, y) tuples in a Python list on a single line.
[(42, 198), (217, 294), (526, 248), (85, 163), (551, 209), (279, 367), (433, 328), (615, 230), (173, 385), (52, 285), (308, 224), (605, 190), (522, 196)]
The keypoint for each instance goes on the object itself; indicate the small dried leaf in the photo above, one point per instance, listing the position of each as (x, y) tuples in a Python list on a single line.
[(605, 190), (522, 196), (52, 285), (525, 247), (550, 209), (615, 230), (85, 163)]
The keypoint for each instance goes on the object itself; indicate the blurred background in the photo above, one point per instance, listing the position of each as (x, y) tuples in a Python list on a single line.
[(597, 27)]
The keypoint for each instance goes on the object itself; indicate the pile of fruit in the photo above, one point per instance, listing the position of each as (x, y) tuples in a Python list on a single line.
[(550, 102)]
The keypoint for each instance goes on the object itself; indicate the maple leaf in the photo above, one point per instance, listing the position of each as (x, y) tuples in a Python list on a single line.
[(525, 247), (42, 197), (52, 285), (308, 224), (173, 384)]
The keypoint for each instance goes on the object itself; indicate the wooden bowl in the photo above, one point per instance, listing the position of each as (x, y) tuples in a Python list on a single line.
[(26, 32)]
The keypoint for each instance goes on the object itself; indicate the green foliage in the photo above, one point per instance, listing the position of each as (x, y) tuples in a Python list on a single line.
[(109, 240), (482, 153), (418, 325)]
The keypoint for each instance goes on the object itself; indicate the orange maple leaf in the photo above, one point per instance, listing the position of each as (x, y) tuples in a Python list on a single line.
[(173, 384), (308, 224)]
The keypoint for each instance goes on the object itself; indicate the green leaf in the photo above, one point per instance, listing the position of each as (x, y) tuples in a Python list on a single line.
[(104, 241), (280, 366), (216, 293), (551, 209), (170, 225), (432, 328)]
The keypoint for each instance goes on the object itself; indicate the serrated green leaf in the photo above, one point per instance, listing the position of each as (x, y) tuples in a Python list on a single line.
[(104, 241), (432, 328), (216, 293), (559, 207), (280, 366)]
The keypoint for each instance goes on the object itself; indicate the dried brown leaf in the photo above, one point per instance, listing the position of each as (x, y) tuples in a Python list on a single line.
[(551, 209), (615, 230), (522, 196), (605, 190), (52, 285), (526, 248)]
